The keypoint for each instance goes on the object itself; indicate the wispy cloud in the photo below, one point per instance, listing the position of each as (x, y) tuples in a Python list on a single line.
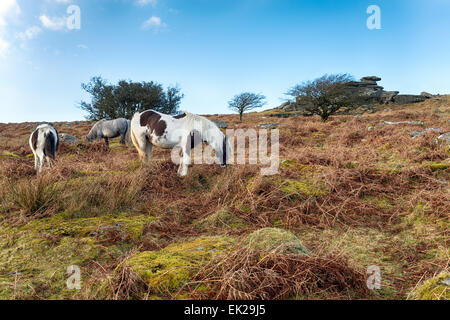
[(4, 46), (146, 2), (30, 33), (54, 23), (154, 23), (83, 46)]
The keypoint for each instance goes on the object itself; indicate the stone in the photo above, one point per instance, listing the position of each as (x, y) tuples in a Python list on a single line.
[(416, 134), (67, 138), (434, 289), (221, 124), (426, 95), (388, 96), (412, 123), (269, 125), (444, 138), (369, 90), (408, 98), (371, 78)]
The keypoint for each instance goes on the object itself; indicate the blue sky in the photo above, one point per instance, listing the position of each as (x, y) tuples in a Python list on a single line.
[(212, 49)]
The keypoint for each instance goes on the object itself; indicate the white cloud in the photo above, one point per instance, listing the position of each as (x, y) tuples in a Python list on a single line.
[(8, 7), (146, 2), (55, 23), (83, 46), (4, 46), (30, 33), (63, 1), (154, 23)]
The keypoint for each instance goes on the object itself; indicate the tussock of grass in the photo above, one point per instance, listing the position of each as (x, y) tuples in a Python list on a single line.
[(35, 197)]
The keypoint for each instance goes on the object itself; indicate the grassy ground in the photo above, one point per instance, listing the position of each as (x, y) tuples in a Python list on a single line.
[(345, 198)]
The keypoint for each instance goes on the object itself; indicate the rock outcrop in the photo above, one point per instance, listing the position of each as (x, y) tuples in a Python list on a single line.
[(368, 89)]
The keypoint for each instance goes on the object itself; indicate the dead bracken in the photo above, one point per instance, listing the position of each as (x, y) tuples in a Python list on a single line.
[(345, 198)]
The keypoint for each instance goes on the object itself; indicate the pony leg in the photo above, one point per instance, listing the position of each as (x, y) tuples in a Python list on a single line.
[(41, 164), (148, 152), (138, 147), (107, 142), (186, 160), (50, 162), (36, 162), (124, 135)]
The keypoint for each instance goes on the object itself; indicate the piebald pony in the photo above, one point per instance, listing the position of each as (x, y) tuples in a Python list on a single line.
[(151, 128)]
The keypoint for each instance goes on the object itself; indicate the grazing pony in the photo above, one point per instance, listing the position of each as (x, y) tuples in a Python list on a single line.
[(151, 128), (105, 129), (44, 143)]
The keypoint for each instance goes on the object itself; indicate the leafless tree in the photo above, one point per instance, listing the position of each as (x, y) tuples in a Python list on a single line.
[(245, 102)]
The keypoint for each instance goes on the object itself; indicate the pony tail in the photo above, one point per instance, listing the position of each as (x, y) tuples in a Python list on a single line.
[(224, 150), (49, 145)]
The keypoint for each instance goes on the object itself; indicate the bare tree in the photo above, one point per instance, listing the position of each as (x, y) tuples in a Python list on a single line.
[(245, 102), (326, 95)]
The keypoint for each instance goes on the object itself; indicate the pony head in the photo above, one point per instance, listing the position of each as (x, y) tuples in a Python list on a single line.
[(94, 133), (212, 135), (219, 142)]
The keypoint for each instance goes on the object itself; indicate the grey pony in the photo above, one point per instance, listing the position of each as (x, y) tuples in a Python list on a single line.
[(108, 129)]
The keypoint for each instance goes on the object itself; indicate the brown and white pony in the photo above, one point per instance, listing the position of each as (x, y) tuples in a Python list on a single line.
[(151, 128), (44, 143)]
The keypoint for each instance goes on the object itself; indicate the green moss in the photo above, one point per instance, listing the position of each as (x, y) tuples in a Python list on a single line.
[(6, 155), (223, 218), (305, 187), (436, 166), (38, 265), (437, 288), (351, 165), (282, 241), (380, 202), (297, 166), (171, 267), (128, 225)]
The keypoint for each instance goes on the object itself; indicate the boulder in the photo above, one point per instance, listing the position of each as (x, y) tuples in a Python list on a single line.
[(371, 79), (67, 138), (170, 268), (408, 98), (411, 123), (445, 138), (436, 288), (388, 96), (269, 125), (416, 134), (426, 95), (221, 124)]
